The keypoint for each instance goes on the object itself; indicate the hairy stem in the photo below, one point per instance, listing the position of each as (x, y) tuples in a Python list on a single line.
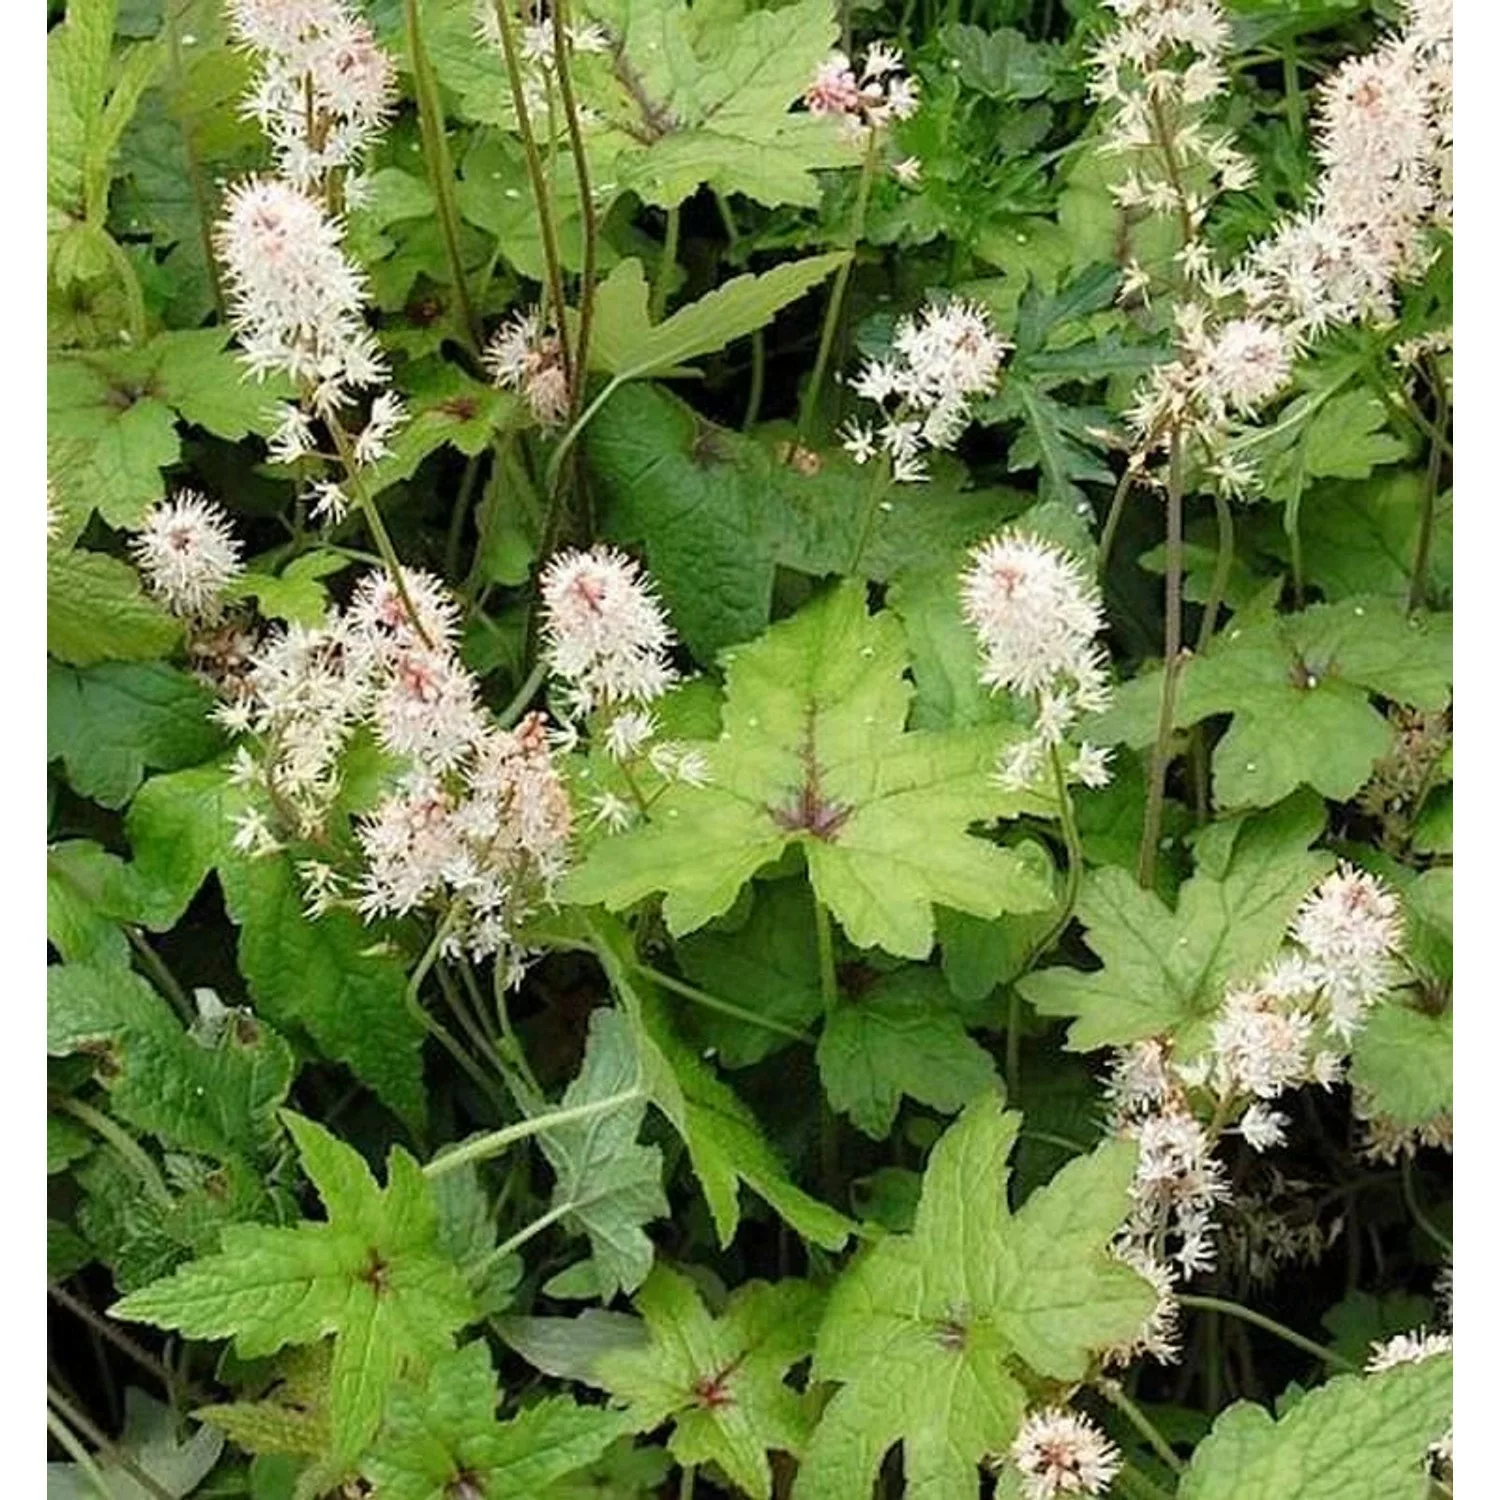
[(122, 1341), (439, 162), (161, 976), (1112, 519), (661, 286), (880, 482), (435, 1028), (1161, 751), (124, 1145), (529, 1232), (1425, 1224), (828, 978), (511, 713), (1114, 1393), (1270, 1325), (482, 1147)]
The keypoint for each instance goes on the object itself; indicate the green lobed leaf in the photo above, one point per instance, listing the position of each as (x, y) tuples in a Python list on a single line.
[(96, 612), (1403, 1062), (441, 1436), (1165, 970), (902, 1037), (932, 1337), (610, 1184), (813, 754), (214, 1091), (89, 893), (371, 1275), (154, 1444), (110, 721), (1360, 1437), (719, 1381)]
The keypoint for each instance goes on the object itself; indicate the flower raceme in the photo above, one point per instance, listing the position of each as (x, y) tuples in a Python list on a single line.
[(1059, 1452), (867, 100), (940, 360), (524, 356), (188, 555), (1037, 617)]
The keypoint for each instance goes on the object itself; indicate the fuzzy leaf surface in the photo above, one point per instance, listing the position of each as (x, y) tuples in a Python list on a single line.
[(929, 1334), (372, 1275), (441, 1436), (1360, 1437), (720, 1381), (813, 753)]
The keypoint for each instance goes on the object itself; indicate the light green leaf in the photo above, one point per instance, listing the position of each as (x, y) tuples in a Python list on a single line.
[(297, 593), (179, 830), (813, 754), (214, 1091), (110, 721), (1298, 687), (902, 1037), (719, 1381), (371, 1276), (1360, 537), (152, 1441), (96, 612), (89, 893), (1166, 970), (934, 1337), (627, 347), (441, 1437), (1403, 1063), (1360, 1437), (611, 1184)]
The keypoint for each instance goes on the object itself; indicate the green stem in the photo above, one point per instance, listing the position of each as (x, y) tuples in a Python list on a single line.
[(79, 1454), (1418, 593), (122, 1341), (757, 379), (508, 1031), (546, 228), (1409, 1191), (124, 1145), (439, 162), (201, 204), (135, 299), (467, 485), (459, 1005), (1114, 1393), (562, 57), (1223, 562), (511, 713), (161, 976), (530, 1232), (1073, 844), (828, 978), (879, 484), (1013, 1049), (1112, 520), (571, 436), (482, 1147), (724, 1007), (366, 502), (689, 1479), (1134, 1483), (117, 1455), (809, 410), (661, 286), (1161, 751), (432, 1025), (1270, 1325)]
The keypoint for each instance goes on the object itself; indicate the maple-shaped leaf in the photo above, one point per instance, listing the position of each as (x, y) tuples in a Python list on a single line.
[(719, 1381), (1299, 688), (1164, 969), (442, 1439), (813, 752), (1360, 1437), (608, 1183), (934, 1336), (709, 101), (372, 1275)]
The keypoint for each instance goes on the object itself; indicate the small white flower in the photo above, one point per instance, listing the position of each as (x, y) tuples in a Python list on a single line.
[(907, 171), (1060, 1452), (612, 812), (525, 357), (628, 733), (188, 555), (1263, 1127), (1407, 1349)]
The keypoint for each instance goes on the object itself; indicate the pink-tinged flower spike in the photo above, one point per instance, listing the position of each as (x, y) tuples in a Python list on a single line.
[(606, 633), (1350, 927), (866, 100), (524, 357), (1059, 1452), (188, 555)]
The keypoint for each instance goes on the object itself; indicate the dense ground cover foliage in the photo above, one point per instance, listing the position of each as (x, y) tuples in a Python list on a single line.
[(749, 728)]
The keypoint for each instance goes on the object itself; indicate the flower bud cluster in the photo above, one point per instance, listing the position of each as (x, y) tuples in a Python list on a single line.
[(940, 360), (525, 356), (1037, 616), (866, 100), (1061, 1452)]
